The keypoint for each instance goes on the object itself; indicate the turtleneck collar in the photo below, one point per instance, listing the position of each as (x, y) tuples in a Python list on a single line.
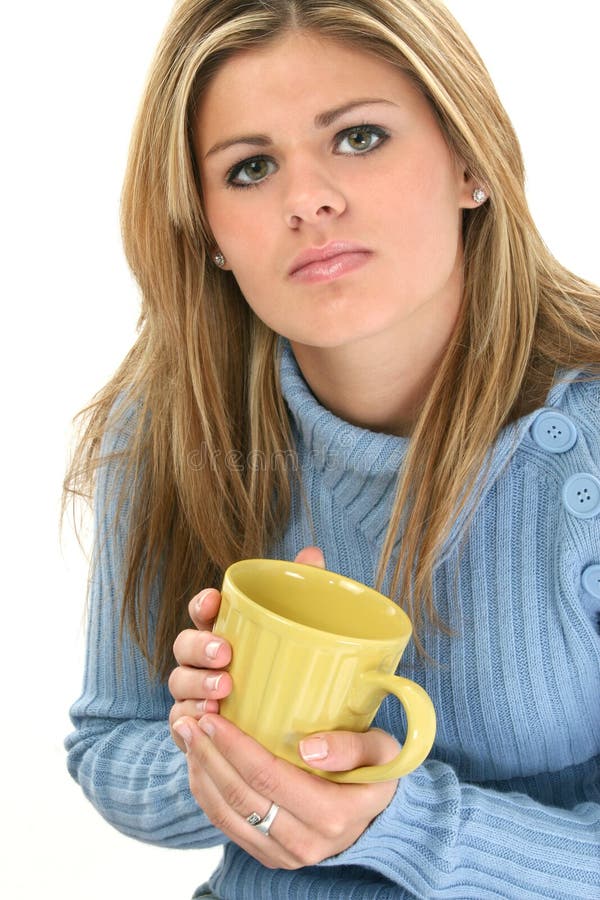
[(332, 442)]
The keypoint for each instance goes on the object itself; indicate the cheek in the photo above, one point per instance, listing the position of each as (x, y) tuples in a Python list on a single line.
[(242, 246), (225, 226), (241, 229), (424, 215)]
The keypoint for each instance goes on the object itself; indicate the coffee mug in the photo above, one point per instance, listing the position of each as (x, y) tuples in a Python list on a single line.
[(314, 651)]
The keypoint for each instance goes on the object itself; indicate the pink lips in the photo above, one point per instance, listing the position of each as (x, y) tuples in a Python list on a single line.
[(330, 261)]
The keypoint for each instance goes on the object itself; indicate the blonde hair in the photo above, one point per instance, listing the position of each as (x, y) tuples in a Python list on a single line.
[(204, 368)]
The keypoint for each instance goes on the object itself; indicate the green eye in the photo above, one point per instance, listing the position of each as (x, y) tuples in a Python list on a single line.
[(360, 139), (255, 170), (257, 167), (363, 138)]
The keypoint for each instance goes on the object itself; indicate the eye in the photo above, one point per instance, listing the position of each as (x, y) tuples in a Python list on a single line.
[(362, 138), (256, 169)]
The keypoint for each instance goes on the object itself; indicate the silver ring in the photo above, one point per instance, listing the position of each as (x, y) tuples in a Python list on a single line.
[(263, 825)]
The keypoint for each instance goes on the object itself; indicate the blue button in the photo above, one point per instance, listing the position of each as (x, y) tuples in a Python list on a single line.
[(553, 431), (590, 579), (581, 495)]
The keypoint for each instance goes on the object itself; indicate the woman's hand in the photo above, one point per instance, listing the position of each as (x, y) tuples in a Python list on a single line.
[(199, 681), (232, 776)]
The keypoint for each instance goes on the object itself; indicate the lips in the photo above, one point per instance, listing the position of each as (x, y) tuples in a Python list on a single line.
[(319, 254)]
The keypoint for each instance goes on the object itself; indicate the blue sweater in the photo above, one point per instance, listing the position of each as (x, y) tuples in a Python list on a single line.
[(508, 803)]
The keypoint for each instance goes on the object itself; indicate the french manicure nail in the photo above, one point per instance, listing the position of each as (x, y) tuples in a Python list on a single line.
[(184, 731), (212, 648), (207, 727), (211, 682), (200, 599), (313, 748)]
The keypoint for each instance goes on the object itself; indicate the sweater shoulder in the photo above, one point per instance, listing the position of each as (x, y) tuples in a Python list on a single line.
[(582, 403), (564, 435)]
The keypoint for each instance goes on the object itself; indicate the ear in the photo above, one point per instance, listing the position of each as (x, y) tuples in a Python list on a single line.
[(468, 186)]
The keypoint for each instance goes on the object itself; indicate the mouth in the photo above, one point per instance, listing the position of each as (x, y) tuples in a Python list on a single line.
[(331, 260)]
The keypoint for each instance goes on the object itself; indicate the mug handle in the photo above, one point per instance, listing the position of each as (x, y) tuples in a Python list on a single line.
[(420, 732)]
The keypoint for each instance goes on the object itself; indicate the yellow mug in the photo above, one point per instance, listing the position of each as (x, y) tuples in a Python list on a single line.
[(314, 651)]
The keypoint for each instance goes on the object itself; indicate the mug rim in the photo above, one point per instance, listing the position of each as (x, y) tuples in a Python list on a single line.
[(398, 613)]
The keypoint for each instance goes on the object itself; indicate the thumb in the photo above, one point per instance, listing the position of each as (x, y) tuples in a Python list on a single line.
[(339, 751), (311, 556)]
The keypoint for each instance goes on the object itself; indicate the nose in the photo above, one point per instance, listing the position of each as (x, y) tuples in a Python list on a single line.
[(311, 195)]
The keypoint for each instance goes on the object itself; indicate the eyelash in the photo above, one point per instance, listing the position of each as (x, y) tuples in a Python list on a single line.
[(379, 132)]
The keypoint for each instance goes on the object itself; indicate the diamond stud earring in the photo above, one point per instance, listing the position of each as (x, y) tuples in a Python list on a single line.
[(478, 195), (219, 259)]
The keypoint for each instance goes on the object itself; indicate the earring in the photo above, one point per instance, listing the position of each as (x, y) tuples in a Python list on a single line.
[(219, 259), (479, 196)]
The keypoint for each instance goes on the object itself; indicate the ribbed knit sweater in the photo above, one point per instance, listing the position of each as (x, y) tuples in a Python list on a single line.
[(508, 802)]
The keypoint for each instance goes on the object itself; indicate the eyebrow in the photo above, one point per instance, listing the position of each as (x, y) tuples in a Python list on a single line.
[(322, 120)]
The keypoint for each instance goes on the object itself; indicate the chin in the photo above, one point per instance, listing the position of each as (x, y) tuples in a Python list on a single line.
[(327, 337)]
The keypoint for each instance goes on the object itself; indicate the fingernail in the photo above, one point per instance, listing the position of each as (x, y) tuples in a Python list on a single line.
[(211, 682), (212, 648), (201, 597), (184, 731), (207, 727), (313, 748)]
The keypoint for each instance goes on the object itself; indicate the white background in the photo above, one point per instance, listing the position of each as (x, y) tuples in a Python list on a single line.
[(72, 74)]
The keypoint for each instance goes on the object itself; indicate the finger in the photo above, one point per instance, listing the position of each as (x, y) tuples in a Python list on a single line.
[(311, 556), (203, 608), (270, 852), (339, 751), (227, 800), (188, 683), (192, 708), (264, 848), (201, 648), (293, 789), (195, 709)]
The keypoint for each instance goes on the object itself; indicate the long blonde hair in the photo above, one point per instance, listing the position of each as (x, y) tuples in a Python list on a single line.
[(204, 370)]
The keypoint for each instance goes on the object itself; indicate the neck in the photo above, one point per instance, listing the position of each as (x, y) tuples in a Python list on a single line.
[(380, 382)]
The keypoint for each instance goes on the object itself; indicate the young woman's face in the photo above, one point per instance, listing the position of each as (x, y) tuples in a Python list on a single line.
[(302, 169)]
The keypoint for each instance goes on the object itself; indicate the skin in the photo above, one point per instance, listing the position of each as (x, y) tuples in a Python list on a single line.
[(368, 344)]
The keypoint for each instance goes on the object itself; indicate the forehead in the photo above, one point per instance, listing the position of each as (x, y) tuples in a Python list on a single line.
[(298, 74)]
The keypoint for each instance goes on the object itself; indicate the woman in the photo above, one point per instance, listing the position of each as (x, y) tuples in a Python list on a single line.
[(353, 341)]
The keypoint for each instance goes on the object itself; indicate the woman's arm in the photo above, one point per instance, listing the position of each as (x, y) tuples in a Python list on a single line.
[(121, 752), (443, 838)]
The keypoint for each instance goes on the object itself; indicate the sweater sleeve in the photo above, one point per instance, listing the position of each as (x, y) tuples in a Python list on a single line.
[(443, 838), (121, 751)]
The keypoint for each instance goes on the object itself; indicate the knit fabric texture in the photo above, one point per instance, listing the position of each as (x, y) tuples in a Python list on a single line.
[(508, 802)]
